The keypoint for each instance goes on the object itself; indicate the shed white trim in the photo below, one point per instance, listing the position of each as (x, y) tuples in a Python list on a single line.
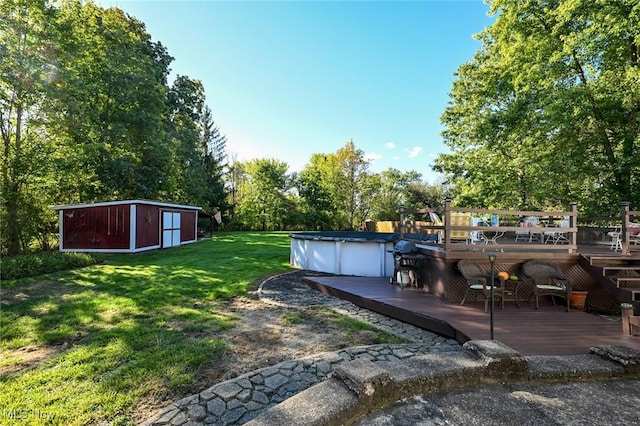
[(121, 202)]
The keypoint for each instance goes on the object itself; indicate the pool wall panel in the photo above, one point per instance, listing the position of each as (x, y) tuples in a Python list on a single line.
[(359, 258)]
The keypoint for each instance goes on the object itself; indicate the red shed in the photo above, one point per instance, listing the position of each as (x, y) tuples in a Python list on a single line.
[(126, 226)]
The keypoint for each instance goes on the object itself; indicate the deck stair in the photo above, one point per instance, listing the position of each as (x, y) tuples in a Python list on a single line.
[(619, 275)]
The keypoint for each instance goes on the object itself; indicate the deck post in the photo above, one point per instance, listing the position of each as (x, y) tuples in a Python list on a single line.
[(573, 223), (447, 223), (626, 311), (492, 260), (401, 224), (624, 233)]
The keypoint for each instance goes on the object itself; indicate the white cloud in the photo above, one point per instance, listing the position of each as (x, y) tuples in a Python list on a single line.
[(372, 157), (390, 145), (414, 152)]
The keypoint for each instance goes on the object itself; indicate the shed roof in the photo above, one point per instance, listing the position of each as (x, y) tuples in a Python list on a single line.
[(121, 202)]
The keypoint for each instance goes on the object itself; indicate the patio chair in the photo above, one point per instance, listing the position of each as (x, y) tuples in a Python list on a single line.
[(478, 283), (616, 236), (616, 240), (558, 236), (528, 223), (548, 280), (437, 222), (461, 219)]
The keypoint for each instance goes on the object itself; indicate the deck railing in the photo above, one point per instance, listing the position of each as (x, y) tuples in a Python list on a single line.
[(509, 225), (627, 231), (538, 238)]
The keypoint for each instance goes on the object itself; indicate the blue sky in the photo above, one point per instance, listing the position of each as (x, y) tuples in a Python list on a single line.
[(287, 79)]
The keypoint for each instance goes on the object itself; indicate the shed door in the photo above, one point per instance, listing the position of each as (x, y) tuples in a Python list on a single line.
[(170, 229)]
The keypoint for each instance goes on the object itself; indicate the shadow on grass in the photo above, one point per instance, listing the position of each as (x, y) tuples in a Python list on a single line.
[(136, 325)]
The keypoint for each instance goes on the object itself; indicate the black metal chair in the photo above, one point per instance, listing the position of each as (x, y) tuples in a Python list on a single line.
[(548, 280), (478, 282)]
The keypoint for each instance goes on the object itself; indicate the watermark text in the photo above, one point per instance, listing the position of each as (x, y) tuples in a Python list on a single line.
[(24, 414)]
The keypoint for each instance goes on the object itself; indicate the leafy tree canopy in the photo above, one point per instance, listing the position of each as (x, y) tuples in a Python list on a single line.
[(547, 112)]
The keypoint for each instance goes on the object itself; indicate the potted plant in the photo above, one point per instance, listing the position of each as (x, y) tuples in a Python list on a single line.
[(578, 299)]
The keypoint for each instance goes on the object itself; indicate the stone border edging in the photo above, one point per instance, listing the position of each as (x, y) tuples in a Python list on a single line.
[(361, 386), (239, 400)]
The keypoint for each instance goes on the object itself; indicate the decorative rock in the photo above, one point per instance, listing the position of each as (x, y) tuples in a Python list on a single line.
[(217, 407), (274, 382), (258, 379), (208, 394), (179, 419), (196, 412), (248, 416), (260, 398), (232, 416), (402, 353), (227, 390), (244, 396), (185, 402), (168, 415), (245, 384), (623, 355), (253, 406)]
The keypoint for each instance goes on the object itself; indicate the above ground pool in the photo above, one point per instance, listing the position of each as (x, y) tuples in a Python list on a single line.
[(366, 254)]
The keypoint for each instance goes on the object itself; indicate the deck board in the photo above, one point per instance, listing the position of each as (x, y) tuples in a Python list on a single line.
[(549, 330)]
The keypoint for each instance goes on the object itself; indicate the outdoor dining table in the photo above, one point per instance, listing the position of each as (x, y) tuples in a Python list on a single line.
[(490, 237)]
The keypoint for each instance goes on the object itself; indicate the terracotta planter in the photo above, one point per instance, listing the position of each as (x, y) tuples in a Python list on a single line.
[(577, 300)]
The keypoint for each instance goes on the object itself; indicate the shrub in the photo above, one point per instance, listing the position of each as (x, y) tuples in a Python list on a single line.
[(32, 265)]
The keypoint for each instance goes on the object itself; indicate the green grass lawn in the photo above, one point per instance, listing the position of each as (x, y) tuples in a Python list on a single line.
[(101, 337)]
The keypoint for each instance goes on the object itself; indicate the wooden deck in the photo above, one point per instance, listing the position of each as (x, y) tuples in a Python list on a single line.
[(549, 330)]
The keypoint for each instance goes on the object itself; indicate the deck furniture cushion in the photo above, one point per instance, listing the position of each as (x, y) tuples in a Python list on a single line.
[(548, 280), (478, 282), (461, 219)]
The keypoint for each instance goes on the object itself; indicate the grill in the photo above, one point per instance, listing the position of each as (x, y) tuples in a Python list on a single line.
[(404, 247), (405, 263)]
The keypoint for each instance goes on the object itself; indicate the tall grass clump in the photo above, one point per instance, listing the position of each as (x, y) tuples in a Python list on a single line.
[(33, 265)]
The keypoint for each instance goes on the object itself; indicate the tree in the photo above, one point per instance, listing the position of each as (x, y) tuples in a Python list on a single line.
[(235, 178), (315, 187), (186, 104), (214, 145), (25, 71), (264, 204), (352, 172), (391, 190), (547, 112), (111, 102), (421, 194), (198, 147), (334, 189)]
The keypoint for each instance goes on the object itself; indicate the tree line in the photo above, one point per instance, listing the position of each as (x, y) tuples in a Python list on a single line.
[(546, 113), (334, 191), (87, 114)]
